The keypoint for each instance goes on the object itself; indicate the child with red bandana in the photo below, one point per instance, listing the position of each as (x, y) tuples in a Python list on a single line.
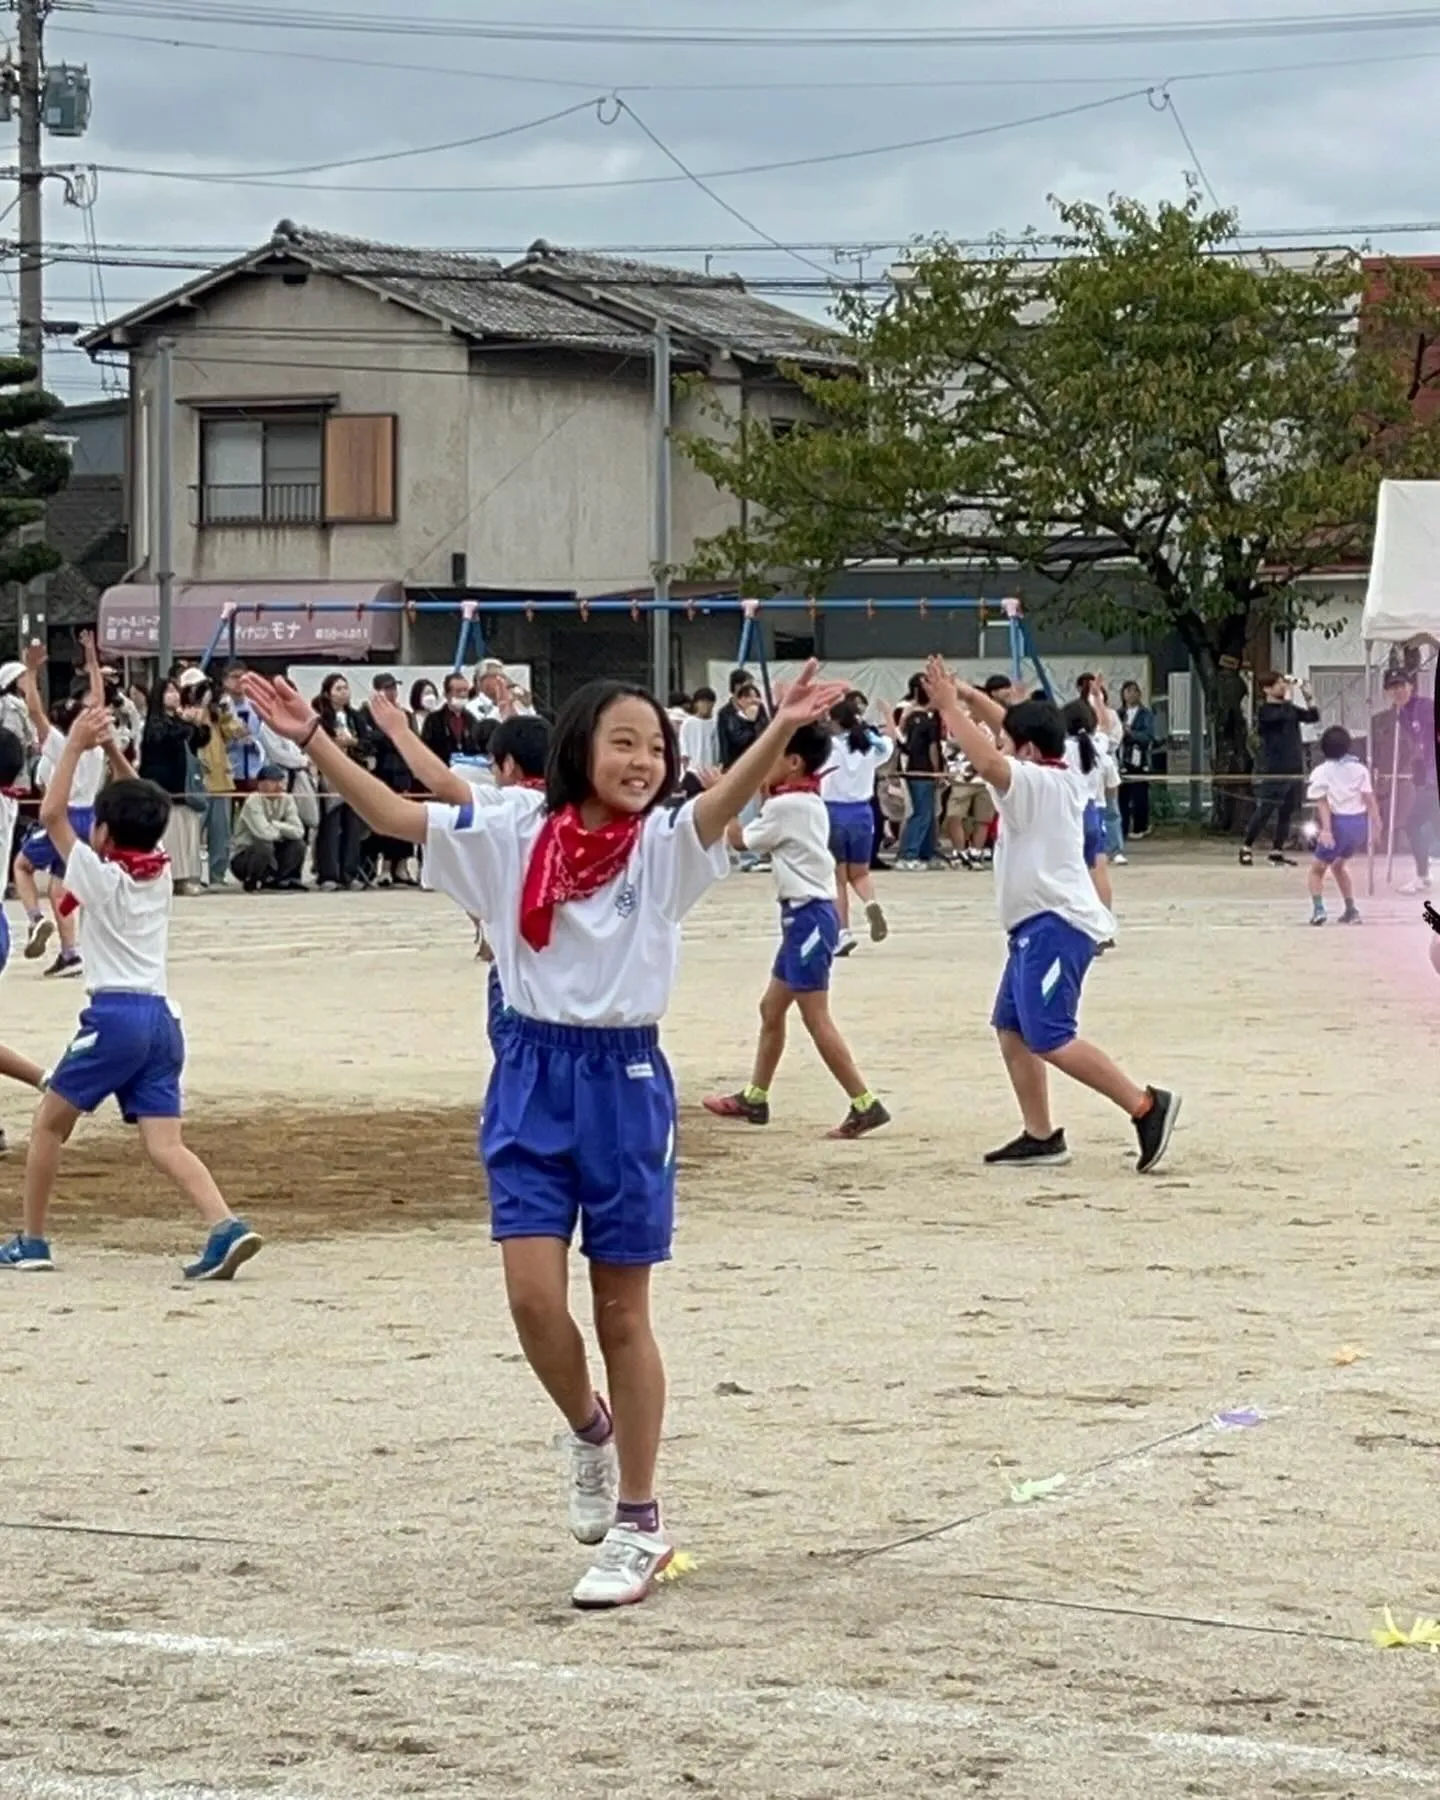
[(793, 830), (583, 889)]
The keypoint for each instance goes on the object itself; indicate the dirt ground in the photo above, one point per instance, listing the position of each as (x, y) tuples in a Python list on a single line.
[(303, 1538)]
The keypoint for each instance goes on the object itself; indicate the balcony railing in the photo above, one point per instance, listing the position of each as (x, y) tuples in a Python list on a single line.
[(267, 503)]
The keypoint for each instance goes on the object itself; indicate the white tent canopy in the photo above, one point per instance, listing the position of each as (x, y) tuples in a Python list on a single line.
[(1402, 601)]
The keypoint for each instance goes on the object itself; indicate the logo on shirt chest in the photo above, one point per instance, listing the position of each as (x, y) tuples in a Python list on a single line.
[(626, 899)]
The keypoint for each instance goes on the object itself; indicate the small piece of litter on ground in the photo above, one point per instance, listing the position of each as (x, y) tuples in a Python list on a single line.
[(1023, 1492), (679, 1565), (1347, 1354), (1241, 1418), (1424, 1634)]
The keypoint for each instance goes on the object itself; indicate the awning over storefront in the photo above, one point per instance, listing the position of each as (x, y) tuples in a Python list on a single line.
[(338, 619)]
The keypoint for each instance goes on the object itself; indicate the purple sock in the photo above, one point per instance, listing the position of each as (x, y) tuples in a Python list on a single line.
[(643, 1515), (599, 1430)]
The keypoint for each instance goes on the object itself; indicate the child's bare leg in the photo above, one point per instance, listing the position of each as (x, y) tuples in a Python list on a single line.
[(634, 1371), (1031, 1082), (834, 1051), (537, 1286), (1344, 883), (842, 896), (1317, 879), (26, 892), (774, 1004), (174, 1158), (20, 1068), (1092, 1068), (862, 881), (1100, 875), (54, 1121)]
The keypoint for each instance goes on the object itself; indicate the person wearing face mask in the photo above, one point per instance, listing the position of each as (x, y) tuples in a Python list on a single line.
[(452, 729), (341, 835), (174, 732), (424, 700)]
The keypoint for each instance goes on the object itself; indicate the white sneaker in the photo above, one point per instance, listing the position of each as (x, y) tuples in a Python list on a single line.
[(1120, 861), (1406, 887), (845, 944), (625, 1570), (594, 1484)]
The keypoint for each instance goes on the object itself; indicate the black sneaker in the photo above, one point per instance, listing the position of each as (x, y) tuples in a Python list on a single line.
[(1031, 1152), (857, 1124), (67, 963), (1278, 860), (1153, 1130)]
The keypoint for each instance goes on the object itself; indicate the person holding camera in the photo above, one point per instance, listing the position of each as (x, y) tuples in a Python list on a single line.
[(1279, 764)]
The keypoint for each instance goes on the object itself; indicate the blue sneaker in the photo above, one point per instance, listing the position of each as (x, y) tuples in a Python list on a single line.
[(227, 1246), (27, 1255)]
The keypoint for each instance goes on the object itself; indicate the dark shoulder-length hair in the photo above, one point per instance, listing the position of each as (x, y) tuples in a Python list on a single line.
[(567, 768), (322, 702)]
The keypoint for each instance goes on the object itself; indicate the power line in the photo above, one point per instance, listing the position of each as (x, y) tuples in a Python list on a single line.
[(641, 181), (246, 13), (870, 84), (1167, 104)]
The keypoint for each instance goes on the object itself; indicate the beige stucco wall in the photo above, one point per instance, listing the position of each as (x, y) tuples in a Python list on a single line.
[(537, 465)]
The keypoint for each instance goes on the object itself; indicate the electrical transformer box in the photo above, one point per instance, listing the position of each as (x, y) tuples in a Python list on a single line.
[(65, 101)]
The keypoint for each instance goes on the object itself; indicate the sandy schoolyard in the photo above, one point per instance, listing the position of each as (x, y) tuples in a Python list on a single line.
[(303, 1538)]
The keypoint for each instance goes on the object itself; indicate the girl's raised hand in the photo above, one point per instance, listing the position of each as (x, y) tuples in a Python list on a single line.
[(392, 719), (283, 708), (807, 697)]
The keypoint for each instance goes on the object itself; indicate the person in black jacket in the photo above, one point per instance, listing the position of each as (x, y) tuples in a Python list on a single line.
[(391, 856), (737, 725), (1280, 764), (173, 733), (452, 730)]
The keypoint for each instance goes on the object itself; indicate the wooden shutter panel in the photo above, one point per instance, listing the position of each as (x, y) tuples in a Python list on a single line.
[(360, 468)]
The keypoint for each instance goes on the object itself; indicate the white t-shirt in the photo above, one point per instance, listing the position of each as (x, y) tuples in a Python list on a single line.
[(89, 771), (699, 742), (124, 923), (1345, 784), (793, 830), (1094, 782), (1039, 852), (611, 959), (849, 776)]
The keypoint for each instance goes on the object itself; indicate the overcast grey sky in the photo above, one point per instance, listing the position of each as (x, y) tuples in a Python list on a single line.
[(179, 87)]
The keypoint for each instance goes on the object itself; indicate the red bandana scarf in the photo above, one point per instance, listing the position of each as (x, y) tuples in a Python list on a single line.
[(802, 784), (139, 865), (571, 863)]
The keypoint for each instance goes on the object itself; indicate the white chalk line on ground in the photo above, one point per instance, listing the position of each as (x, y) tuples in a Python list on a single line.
[(634, 1688), (15, 1784)]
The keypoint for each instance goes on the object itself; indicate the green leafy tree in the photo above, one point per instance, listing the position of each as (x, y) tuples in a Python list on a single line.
[(1171, 432), (32, 467)]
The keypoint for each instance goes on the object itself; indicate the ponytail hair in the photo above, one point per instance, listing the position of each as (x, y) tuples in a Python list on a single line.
[(1080, 724), (848, 718)]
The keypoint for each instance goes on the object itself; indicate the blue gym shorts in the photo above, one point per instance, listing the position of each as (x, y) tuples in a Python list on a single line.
[(1351, 832), (809, 936), (129, 1045), (1094, 833), (4, 940), (852, 831), (579, 1127), (1039, 997), (42, 855)]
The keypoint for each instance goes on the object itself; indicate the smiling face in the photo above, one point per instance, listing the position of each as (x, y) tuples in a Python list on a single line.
[(627, 756), (340, 694)]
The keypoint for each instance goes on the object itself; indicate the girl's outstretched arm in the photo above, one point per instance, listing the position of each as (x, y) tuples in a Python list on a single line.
[(433, 771), (805, 700), (287, 713)]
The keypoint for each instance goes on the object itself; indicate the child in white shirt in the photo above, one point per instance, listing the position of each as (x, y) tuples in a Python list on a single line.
[(129, 1046), (794, 830), (583, 889), (1083, 755), (1345, 803), (847, 786), (1053, 917)]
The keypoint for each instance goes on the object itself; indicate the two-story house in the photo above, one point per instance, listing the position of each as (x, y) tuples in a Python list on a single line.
[(355, 421)]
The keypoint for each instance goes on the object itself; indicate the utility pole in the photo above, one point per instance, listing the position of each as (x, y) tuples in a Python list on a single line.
[(164, 498), (660, 615), (30, 76)]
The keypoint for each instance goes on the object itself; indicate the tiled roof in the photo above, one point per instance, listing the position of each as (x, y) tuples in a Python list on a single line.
[(565, 298), (715, 310)]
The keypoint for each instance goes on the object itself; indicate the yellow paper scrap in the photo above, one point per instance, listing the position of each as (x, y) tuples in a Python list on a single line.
[(1424, 1634), (1347, 1354), (679, 1565)]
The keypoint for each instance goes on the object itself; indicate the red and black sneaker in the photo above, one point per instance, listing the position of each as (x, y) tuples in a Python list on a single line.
[(736, 1106)]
